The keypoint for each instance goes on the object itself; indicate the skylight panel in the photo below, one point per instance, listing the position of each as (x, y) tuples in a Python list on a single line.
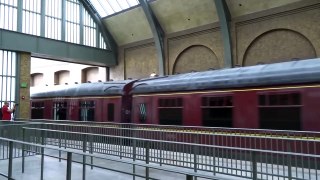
[(109, 7), (114, 5), (132, 2), (96, 4)]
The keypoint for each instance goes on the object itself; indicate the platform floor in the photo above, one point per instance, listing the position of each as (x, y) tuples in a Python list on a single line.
[(55, 170)]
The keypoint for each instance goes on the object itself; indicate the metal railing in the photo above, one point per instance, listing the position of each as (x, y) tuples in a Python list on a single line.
[(286, 141), (212, 159), (264, 155), (14, 144)]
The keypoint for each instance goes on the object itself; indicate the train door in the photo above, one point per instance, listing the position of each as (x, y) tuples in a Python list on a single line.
[(87, 110), (217, 111), (126, 108), (60, 111), (126, 103)]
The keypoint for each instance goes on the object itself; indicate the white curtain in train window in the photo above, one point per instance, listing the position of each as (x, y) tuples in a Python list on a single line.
[(143, 112), (7, 76)]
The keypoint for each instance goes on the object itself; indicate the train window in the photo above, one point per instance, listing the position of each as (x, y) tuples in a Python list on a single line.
[(60, 111), (279, 99), (143, 112), (86, 111), (37, 110), (172, 102), (111, 112), (296, 99), (170, 111), (262, 100), (273, 100), (204, 101), (217, 101), (280, 111), (217, 111), (284, 99)]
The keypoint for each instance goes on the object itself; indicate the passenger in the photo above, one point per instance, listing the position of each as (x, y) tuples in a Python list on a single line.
[(6, 112)]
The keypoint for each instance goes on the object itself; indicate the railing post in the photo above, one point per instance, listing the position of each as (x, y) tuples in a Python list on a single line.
[(214, 153), (147, 148), (84, 148), (59, 146), (91, 150), (289, 162), (134, 154), (254, 165), (195, 153), (10, 160), (42, 154), (189, 177), (69, 165), (23, 147)]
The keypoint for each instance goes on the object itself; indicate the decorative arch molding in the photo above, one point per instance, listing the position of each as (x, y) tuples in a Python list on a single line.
[(36, 79), (278, 45), (89, 74), (61, 77), (189, 58)]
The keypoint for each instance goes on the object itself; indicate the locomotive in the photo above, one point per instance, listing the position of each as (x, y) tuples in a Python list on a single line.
[(282, 96)]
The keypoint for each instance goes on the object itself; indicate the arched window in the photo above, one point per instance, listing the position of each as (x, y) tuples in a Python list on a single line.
[(36, 79), (90, 74), (61, 77)]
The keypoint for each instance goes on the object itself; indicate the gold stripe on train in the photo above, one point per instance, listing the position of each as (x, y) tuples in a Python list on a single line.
[(228, 91), (71, 98)]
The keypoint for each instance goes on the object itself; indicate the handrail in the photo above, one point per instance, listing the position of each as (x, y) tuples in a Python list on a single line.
[(184, 143), (107, 158), (169, 126)]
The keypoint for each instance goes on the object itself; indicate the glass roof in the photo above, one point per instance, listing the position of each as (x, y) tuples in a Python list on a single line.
[(109, 7)]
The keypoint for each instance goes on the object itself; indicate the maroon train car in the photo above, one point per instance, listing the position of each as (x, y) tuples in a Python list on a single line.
[(273, 96), (102, 101)]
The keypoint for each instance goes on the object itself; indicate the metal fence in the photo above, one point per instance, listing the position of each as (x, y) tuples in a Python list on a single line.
[(246, 153)]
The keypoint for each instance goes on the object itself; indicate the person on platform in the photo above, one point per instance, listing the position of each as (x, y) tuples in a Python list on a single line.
[(6, 111)]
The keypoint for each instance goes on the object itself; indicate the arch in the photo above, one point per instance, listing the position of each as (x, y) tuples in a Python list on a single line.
[(36, 79), (61, 77), (188, 60), (278, 45), (89, 74)]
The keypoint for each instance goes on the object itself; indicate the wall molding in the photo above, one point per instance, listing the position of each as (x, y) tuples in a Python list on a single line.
[(277, 12)]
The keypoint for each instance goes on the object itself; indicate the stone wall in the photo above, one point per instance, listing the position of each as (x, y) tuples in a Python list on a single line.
[(274, 35)]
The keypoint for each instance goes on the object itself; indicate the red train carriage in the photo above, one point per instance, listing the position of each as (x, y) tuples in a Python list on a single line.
[(84, 102), (274, 96)]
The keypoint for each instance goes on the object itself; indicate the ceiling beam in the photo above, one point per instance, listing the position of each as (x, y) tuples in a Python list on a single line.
[(225, 18), (55, 49), (111, 43), (158, 33)]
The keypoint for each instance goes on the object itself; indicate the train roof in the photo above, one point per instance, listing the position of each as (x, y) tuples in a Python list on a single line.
[(293, 72), (85, 89)]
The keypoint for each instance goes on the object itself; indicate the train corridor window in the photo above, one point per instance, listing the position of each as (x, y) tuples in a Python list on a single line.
[(280, 111), (217, 111), (86, 111), (111, 112), (170, 111), (37, 110), (142, 112), (60, 111)]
